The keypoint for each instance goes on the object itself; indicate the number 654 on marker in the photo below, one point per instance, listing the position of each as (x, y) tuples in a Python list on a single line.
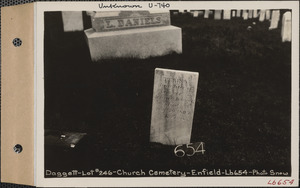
[(189, 149)]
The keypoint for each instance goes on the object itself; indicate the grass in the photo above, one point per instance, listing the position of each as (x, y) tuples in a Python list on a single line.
[(242, 111)]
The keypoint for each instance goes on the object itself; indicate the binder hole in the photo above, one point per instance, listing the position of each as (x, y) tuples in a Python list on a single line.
[(18, 148), (17, 42)]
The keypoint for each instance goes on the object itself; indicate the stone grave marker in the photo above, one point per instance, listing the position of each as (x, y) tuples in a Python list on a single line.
[(245, 14), (238, 13), (133, 34), (262, 15), (226, 14), (286, 29), (218, 14), (250, 14), (72, 21), (255, 14), (206, 14), (233, 13), (268, 15), (195, 13), (174, 95), (275, 19)]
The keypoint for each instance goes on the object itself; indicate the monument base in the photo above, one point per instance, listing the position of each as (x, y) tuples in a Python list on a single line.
[(137, 43)]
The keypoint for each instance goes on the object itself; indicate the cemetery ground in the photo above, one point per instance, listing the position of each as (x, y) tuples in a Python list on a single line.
[(242, 110)]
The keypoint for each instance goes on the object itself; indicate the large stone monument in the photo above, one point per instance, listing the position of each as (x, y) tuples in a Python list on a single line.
[(173, 105), (137, 34)]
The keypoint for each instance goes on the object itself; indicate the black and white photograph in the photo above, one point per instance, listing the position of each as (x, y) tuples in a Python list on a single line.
[(167, 93)]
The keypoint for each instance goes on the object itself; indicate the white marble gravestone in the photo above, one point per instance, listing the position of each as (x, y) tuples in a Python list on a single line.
[(174, 95), (218, 14), (72, 21), (245, 14), (286, 29), (238, 13), (262, 15), (233, 13), (268, 15), (132, 34), (275, 19), (250, 14), (226, 14), (195, 13), (255, 14), (206, 14)]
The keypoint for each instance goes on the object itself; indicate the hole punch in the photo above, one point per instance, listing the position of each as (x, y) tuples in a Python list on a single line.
[(17, 42), (18, 148)]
